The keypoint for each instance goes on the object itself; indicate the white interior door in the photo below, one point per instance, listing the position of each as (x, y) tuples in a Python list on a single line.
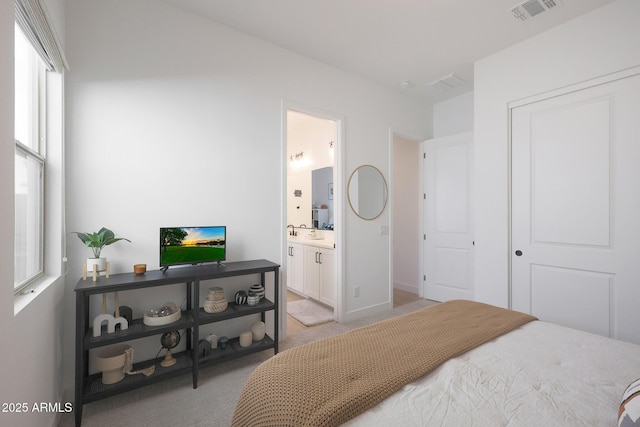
[(448, 245), (575, 209)]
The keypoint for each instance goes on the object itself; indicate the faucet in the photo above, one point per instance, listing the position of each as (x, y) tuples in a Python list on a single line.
[(293, 230)]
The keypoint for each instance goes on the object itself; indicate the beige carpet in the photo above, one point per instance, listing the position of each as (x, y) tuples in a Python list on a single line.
[(175, 402), (309, 312)]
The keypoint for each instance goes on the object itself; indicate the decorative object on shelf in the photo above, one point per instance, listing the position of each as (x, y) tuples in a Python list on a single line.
[(112, 321), (97, 241), (128, 365), (110, 361), (253, 299), (95, 266), (169, 340), (213, 340), (222, 342), (139, 269), (258, 330), (258, 289), (204, 348), (246, 338), (168, 313), (241, 297), (126, 312), (215, 302)]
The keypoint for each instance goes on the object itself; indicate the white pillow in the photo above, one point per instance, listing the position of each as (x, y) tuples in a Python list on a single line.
[(629, 413)]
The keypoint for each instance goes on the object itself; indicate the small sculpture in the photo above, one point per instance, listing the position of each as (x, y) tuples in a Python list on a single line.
[(111, 320), (241, 297)]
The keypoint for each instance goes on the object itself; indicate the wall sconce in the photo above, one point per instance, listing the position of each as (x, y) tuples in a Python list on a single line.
[(296, 160), (297, 156)]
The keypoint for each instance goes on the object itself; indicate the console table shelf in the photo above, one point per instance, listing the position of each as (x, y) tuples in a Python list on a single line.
[(234, 310), (137, 329), (234, 350), (89, 388), (95, 390)]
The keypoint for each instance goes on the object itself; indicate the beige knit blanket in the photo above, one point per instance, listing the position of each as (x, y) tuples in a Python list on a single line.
[(328, 382)]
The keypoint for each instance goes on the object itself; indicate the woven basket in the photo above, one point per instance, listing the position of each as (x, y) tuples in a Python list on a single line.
[(216, 291), (215, 306)]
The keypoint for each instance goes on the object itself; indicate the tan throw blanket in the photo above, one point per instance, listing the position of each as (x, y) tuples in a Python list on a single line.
[(328, 382)]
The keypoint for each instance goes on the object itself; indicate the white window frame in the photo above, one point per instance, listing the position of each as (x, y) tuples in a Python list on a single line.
[(34, 151)]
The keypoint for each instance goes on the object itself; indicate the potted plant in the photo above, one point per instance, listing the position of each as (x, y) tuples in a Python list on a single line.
[(97, 241)]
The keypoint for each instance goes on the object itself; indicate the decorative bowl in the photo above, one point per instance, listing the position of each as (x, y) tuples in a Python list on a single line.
[(164, 315)]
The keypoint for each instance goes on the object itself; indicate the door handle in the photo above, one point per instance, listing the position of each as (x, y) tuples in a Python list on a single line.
[(518, 252), (319, 257)]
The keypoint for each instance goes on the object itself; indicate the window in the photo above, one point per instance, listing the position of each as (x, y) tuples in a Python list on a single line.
[(29, 162)]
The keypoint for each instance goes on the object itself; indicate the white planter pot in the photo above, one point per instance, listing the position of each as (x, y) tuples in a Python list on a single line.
[(110, 361), (100, 262)]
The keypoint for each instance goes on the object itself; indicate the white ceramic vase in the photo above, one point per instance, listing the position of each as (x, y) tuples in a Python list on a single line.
[(110, 361), (100, 262), (258, 330)]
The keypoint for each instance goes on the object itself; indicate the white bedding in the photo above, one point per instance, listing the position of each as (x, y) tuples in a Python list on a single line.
[(540, 374)]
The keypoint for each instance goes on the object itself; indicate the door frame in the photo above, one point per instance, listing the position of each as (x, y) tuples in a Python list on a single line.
[(597, 81), (419, 139), (338, 205)]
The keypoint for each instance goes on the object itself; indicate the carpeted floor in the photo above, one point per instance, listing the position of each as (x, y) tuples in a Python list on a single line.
[(175, 402)]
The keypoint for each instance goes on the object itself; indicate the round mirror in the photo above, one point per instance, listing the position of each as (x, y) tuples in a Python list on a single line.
[(367, 192)]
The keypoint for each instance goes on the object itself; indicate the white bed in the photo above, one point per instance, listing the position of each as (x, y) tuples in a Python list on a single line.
[(540, 374), (459, 363)]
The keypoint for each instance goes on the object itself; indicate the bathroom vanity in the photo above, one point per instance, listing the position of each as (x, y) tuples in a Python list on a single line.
[(311, 265)]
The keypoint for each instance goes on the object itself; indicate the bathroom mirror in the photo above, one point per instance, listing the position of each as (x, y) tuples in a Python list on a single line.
[(367, 192)]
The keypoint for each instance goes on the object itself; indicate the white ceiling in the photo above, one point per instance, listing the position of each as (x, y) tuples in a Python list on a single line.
[(389, 41)]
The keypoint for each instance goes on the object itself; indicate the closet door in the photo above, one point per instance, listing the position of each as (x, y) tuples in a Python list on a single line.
[(576, 208)]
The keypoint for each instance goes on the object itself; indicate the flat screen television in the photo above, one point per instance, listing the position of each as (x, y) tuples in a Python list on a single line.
[(192, 245)]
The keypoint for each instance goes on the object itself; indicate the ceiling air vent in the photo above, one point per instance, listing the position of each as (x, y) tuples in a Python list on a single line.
[(447, 81), (532, 8)]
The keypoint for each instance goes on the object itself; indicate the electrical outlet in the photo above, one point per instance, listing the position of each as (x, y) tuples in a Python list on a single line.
[(356, 291)]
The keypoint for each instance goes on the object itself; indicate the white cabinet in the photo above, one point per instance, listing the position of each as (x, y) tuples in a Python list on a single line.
[(319, 274), (295, 267)]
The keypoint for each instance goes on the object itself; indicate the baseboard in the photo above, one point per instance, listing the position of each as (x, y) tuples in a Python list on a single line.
[(406, 287), (367, 311)]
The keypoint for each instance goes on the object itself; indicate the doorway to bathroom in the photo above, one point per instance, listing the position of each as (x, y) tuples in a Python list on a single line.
[(312, 211)]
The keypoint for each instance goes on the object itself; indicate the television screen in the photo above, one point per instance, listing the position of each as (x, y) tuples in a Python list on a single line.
[(192, 245)]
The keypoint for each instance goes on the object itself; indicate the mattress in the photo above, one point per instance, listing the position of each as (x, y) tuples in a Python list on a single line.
[(540, 374)]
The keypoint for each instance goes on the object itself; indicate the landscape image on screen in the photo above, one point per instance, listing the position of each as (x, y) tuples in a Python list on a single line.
[(192, 245)]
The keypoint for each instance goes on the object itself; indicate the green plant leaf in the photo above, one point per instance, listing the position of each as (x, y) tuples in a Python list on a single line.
[(96, 241)]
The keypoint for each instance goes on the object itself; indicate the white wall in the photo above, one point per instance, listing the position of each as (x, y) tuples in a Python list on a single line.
[(175, 120), (593, 45), (406, 214), (31, 371), (453, 116)]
